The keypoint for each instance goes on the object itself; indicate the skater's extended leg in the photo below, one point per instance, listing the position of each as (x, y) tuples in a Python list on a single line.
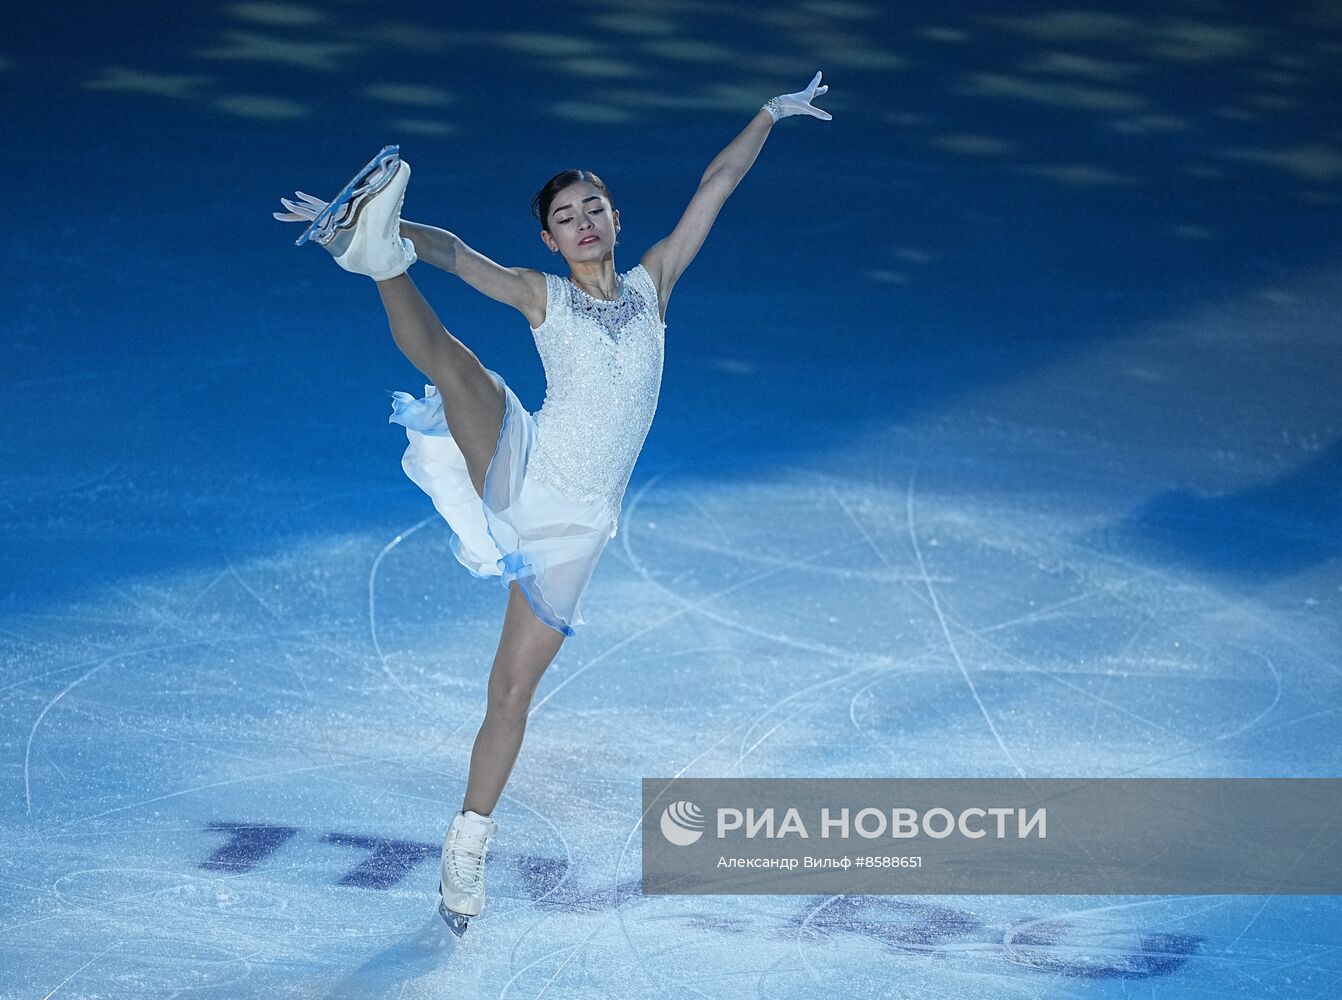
[(473, 403), (526, 649)]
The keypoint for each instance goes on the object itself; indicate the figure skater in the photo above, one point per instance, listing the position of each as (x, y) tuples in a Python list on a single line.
[(531, 499)]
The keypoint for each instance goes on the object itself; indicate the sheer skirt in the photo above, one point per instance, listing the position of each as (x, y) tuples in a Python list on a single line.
[(523, 529)]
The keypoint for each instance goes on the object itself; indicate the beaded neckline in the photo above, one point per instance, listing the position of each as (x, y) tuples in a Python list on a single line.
[(612, 316)]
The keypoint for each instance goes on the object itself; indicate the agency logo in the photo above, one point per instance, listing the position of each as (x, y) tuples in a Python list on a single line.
[(682, 823)]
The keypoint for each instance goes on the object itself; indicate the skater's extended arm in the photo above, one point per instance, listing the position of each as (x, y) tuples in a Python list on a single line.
[(667, 260), (519, 287)]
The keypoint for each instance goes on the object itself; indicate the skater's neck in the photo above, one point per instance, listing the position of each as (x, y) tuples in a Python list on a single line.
[(597, 278)]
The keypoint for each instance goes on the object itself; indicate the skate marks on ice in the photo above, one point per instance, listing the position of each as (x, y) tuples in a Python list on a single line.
[(870, 946), (877, 946), (1012, 599), (816, 649), (1009, 600), (425, 962), (545, 905), (420, 965), (939, 945)]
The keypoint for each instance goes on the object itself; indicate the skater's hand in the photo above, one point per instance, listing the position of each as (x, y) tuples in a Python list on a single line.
[(308, 210), (798, 103)]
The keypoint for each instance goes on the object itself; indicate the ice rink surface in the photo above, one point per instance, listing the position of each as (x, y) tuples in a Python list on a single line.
[(999, 437)]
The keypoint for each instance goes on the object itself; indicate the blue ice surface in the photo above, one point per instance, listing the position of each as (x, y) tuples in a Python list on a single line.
[(999, 437)]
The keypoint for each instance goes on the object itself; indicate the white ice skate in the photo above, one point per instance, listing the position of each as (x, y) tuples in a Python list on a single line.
[(462, 875), (361, 225)]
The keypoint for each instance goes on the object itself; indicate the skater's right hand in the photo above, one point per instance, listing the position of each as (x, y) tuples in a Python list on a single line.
[(307, 211)]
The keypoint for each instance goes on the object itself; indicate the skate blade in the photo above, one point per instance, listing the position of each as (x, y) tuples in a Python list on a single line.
[(456, 922), (385, 158)]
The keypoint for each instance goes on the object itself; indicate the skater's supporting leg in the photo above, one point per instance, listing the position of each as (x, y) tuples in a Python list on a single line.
[(473, 403), (526, 649)]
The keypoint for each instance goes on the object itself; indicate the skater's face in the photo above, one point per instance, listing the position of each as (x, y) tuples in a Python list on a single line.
[(582, 225)]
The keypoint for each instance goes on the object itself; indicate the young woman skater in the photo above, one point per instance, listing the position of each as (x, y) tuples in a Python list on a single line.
[(531, 499)]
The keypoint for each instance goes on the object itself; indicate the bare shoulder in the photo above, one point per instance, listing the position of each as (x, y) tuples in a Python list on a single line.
[(533, 304), (654, 263)]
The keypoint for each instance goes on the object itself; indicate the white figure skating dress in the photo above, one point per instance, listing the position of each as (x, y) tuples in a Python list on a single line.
[(555, 485)]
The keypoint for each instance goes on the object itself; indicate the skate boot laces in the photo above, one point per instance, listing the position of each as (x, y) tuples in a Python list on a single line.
[(466, 863)]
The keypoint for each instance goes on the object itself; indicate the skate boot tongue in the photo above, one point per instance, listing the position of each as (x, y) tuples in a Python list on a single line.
[(472, 841), (475, 821)]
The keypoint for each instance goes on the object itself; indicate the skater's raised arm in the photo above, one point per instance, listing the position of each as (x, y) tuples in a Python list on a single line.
[(666, 260), (519, 287)]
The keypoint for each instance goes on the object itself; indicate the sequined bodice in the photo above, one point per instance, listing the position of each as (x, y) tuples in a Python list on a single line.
[(603, 373)]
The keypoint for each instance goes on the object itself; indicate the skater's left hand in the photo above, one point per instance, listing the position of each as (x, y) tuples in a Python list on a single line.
[(799, 103), (307, 211)]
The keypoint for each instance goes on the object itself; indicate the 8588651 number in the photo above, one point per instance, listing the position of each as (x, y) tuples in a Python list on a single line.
[(889, 861)]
